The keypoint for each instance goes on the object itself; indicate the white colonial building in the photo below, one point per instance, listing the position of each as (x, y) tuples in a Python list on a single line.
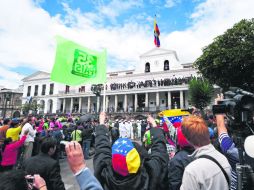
[(159, 82)]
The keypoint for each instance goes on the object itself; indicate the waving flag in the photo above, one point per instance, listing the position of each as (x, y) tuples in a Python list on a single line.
[(75, 64), (156, 34)]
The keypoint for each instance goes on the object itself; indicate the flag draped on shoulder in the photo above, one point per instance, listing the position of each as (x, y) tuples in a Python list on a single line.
[(75, 64), (156, 34)]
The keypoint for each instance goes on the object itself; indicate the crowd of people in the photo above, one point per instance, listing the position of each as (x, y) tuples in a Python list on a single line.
[(133, 154), (151, 83)]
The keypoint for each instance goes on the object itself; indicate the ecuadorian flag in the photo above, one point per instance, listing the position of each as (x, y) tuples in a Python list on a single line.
[(156, 34)]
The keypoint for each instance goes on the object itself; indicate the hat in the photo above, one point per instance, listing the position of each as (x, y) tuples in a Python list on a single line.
[(181, 139), (125, 157), (15, 121)]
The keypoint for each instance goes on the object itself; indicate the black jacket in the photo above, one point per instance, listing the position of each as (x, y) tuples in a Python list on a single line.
[(47, 168), (176, 168), (87, 132), (152, 174)]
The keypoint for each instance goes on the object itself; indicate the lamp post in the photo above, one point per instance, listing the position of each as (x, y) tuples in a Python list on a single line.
[(96, 89), (7, 97)]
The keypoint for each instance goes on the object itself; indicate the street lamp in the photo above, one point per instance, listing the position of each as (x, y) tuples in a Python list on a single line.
[(7, 97), (96, 89)]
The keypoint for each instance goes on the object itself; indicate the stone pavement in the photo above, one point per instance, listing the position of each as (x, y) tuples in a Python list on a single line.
[(67, 175)]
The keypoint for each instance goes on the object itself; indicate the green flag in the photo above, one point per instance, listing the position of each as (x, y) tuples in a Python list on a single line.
[(76, 65)]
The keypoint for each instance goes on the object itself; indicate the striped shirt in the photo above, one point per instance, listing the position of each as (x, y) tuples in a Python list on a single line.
[(231, 152)]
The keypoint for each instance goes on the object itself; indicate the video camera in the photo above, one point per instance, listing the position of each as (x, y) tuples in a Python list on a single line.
[(238, 107)]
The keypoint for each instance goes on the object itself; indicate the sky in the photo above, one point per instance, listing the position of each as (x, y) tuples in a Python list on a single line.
[(124, 27)]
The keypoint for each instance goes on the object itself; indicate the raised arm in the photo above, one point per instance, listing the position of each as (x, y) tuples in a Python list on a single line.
[(77, 164), (158, 162), (102, 148), (220, 118)]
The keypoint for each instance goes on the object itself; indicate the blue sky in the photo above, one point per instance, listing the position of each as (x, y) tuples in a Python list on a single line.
[(172, 15), (123, 27)]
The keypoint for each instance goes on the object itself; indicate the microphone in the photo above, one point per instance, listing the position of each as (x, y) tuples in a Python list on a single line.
[(248, 146)]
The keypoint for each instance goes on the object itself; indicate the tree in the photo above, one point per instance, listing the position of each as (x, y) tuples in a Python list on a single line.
[(229, 60), (33, 106), (200, 93)]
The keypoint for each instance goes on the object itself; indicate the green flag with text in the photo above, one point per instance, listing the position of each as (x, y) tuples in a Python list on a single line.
[(76, 65)]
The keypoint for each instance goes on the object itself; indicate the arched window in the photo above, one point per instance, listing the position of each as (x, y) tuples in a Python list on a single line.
[(166, 65), (147, 67)]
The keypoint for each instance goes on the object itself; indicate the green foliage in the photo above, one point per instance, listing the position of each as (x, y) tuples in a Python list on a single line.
[(33, 106), (229, 60), (200, 93)]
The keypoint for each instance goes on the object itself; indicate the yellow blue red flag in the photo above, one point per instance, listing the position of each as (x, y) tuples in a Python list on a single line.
[(156, 34)]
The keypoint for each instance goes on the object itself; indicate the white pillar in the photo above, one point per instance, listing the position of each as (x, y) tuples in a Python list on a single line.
[(136, 102), (186, 99), (125, 103), (98, 104), (54, 105), (46, 106), (71, 106), (181, 99), (116, 102), (106, 106), (79, 104), (64, 102), (169, 100), (157, 100), (88, 104), (146, 101)]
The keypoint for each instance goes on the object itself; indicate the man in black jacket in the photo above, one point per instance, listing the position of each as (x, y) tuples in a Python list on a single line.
[(45, 166), (87, 139), (152, 173)]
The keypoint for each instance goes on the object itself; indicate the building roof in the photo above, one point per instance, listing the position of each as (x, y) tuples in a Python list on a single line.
[(159, 51), (37, 75)]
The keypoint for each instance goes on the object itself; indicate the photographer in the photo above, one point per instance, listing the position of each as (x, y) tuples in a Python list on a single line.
[(228, 146)]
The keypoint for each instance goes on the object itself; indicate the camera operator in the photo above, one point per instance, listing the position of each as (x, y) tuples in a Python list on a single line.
[(227, 145)]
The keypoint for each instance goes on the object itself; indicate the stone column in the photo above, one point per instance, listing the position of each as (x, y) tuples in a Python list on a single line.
[(116, 102), (88, 104), (98, 104), (181, 99), (79, 104), (125, 103), (64, 103), (106, 103), (136, 102), (186, 99), (46, 106), (71, 106), (157, 101), (146, 101), (169, 100)]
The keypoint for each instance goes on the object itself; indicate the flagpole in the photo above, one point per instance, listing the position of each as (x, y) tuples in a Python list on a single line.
[(104, 97)]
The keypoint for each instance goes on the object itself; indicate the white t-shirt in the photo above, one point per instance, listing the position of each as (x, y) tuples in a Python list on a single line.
[(31, 134)]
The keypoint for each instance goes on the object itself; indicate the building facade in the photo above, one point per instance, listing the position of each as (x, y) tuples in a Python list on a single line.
[(10, 102), (159, 82)]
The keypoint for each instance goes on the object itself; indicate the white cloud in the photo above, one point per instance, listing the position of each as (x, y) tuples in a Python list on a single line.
[(27, 37), (171, 3), (117, 7)]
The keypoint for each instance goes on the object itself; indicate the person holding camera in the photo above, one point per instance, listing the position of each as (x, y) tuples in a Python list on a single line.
[(228, 147), (44, 165), (76, 161), (18, 180)]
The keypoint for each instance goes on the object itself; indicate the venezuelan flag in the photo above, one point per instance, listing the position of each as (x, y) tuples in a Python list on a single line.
[(156, 34)]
